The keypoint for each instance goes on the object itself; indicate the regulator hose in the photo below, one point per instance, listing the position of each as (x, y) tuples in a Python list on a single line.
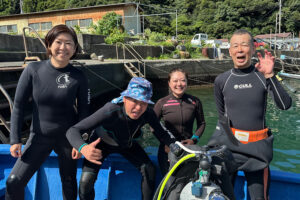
[(189, 156)]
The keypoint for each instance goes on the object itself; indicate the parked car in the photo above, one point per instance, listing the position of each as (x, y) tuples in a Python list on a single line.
[(259, 43), (272, 45), (198, 38)]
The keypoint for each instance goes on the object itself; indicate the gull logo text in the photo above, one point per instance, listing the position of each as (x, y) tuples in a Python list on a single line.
[(243, 86)]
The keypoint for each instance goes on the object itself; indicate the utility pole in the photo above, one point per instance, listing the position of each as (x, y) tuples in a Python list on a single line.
[(137, 18), (21, 6), (176, 23), (279, 29), (276, 30)]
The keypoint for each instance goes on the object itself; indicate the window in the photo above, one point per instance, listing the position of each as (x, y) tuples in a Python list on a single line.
[(41, 26), (46, 26), (79, 22), (72, 23), (35, 26), (3, 29), (12, 28), (85, 22), (8, 29)]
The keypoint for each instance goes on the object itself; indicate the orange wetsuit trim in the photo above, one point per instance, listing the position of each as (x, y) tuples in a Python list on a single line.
[(250, 136)]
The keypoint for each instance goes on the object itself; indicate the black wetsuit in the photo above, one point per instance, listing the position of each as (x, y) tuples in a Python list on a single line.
[(179, 115), (241, 98), (117, 131), (54, 93)]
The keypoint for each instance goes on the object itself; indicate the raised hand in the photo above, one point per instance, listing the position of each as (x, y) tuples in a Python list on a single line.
[(76, 154), (266, 64), (16, 150), (91, 153)]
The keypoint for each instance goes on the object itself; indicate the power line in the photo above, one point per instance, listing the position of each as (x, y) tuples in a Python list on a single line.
[(149, 15)]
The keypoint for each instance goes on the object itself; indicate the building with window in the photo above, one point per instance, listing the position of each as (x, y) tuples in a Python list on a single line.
[(83, 17)]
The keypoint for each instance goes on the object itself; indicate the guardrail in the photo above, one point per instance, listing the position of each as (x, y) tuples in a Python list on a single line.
[(134, 53)]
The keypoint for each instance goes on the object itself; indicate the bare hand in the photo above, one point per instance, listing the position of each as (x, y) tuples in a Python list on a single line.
[(15, 150), (76, 154), (266, 64), (187, 142), (91, 153), (167, 149)]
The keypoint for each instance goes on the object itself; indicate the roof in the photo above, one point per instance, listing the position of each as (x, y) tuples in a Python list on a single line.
[(223, 40), (71, 9), (279, 35)]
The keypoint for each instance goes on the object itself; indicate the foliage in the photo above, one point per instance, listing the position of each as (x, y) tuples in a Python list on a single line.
[(107, 24), (195, 52), (217, 18), (77, 29), (8, 7), (154, 36), (115, 36), (156, 39)]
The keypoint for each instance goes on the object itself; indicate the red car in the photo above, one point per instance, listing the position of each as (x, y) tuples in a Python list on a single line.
[(259, 43)]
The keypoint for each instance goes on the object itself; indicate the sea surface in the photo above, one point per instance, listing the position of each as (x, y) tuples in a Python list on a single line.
[(285, 126)]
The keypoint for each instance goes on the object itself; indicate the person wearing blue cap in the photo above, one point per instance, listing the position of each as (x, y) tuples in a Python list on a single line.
[(115, 126)]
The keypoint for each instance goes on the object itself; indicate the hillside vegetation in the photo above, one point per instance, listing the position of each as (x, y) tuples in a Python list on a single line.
[(215, 17)]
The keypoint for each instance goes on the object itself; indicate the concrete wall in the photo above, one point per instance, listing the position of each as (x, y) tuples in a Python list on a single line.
[(86, 41), (109, 51), (16, 43)]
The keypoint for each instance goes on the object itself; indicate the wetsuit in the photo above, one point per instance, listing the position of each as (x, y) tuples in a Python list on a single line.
[(55, 93), (179, 115), (117, 131), (241, 99)]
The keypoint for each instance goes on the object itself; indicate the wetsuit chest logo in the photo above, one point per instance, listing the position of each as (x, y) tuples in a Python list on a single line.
[(63, 80), (242, 86)]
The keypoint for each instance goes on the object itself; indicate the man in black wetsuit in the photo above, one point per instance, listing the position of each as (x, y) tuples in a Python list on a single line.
[(241, 99), (118, 123)]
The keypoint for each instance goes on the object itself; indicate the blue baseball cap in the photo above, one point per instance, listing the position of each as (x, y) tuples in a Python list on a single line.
[(139, 89)]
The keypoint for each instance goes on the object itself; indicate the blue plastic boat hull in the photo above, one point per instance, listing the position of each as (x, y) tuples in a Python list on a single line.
[(118, 179)]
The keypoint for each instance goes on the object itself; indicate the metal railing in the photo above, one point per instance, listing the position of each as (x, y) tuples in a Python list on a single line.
[(134, 53), (25, 44), (3, 121)]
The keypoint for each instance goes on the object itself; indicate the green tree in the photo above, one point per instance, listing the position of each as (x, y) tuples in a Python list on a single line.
[(107, 24), (217, 18), (8, 7)]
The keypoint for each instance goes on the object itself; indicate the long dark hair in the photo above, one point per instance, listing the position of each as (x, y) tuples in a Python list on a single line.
[(55, 31)]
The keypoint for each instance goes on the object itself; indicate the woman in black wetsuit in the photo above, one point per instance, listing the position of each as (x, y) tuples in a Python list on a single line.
[(179, 111), (55, 87)]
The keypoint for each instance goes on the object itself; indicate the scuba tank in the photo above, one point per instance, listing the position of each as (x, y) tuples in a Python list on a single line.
[(202, 188), (197, 173)]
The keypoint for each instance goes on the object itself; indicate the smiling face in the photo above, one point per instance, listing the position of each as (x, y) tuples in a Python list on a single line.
[(62, 49), (134, 108), (178, 83), (241, 50)]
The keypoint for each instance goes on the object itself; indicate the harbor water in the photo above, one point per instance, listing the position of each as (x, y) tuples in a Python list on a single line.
[(285, 126)]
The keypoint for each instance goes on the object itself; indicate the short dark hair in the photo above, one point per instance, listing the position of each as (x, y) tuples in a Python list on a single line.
[(177, 69), (243, 32), (55, 31)]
